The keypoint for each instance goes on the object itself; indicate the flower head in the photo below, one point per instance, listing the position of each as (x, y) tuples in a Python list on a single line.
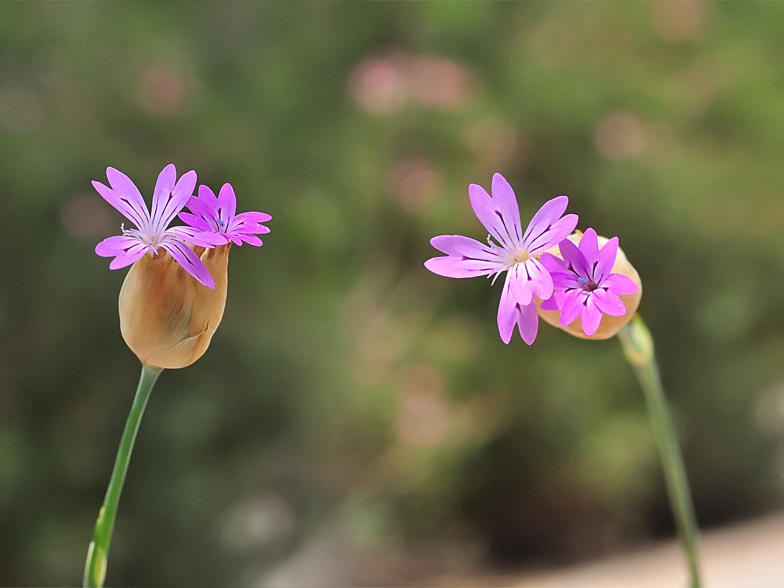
[(588, 284), (152, 231), (515, 252), (216, 216)]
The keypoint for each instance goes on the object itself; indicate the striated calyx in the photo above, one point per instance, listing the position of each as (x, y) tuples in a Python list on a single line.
[(609, 325), (167, 318)]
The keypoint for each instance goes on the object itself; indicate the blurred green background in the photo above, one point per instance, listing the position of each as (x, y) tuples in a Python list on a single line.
[(357, 420)]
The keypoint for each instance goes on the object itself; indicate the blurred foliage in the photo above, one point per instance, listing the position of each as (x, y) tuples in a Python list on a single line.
[(351, 402)]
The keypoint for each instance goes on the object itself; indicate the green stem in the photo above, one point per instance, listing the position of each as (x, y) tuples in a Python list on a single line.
[(638, 347), (95, 567)]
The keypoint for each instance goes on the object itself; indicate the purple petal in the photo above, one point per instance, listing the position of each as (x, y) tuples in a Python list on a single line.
[(507, 312), (553, 263), (190, 262), (208, 198), (606, 259), (591, 317), (132, 255), (506, 202), (575, 258), (530, 278), (557, 233), (465, 247), (544, 219), (196, 237), (252, 240), (528, 322), (589, 245), (201, 207), (520, 284), (492, 217), (167, 204), (112, 246), (196, 222), (125, 204), (541, 281), (453, 267), (550, 304), (564, 280), (619, 284), (160, 195), (125, 190), (608, 302), (253, 217), (572, 307), (227, 203)]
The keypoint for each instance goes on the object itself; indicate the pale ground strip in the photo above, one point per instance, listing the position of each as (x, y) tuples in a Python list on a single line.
[(745, 555)]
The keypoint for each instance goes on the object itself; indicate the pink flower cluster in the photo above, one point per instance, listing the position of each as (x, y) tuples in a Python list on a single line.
[(579, 285), (213, 222)]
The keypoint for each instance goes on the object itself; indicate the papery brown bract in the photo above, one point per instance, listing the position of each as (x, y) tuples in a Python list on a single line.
[(609, 325), (166, 317)]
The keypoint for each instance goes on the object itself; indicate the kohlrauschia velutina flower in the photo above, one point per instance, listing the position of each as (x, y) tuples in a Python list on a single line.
[(515, 252)]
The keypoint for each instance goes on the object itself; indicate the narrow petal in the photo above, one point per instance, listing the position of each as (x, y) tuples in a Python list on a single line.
[(190, 262), (253, 217), (203, 208), (455, 267), (605, 259), (160, 195), (207, 196), (506, 202), (125, 205), (507, 313), (553, 263), (572, 307), (564, 280), (252, 240), (608, 302), (171, 204), (619, 284), (196, 221), (492, 217), (520, 284), (113, 246), (575, 258), (591, 317), (541, 281), (528, 322), (553, 235), (459, 246), (550, 304), (196, 237), (589, 245), (227, 203), (132, 255), (126, 190), (549, 213)]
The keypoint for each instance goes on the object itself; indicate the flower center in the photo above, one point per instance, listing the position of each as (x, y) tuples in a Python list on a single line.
[(520, 257), (589, 285)]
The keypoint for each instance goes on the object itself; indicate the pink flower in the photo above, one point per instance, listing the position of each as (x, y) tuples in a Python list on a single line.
[(583, 284), (152, 232), (215, 216), (515, 253)]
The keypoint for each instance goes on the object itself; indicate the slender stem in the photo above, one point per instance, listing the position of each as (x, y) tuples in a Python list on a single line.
[(638, 347), (95, 567)]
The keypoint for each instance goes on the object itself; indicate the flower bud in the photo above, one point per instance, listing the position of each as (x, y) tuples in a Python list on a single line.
[(167, 318), (609, 325)]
